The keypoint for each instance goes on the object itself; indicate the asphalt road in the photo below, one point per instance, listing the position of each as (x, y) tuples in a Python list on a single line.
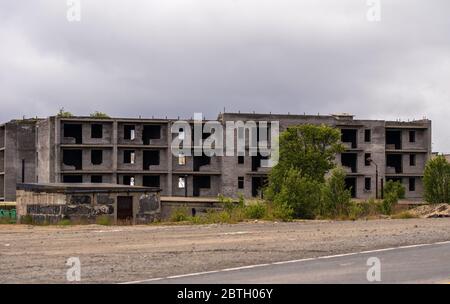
[(426, 263)]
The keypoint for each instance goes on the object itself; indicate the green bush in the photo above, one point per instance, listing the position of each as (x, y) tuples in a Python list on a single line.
[(388, 203), (336, 199), (396, 188), (256, 211), (282, 212), (436, 181), (302, 194), (98, 114), (180, 214)]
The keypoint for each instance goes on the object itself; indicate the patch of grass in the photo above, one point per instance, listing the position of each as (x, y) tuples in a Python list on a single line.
[(7, 221), (180, 214), (103, 220), (64, 222), (403, 215), (26, 220)]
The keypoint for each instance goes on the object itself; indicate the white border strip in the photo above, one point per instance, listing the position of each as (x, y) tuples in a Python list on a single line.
[(285, 262)]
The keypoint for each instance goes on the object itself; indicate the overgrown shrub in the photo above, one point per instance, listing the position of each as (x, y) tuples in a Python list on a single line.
[(436, 180), (336, 198), (179, 214), (256, 211)]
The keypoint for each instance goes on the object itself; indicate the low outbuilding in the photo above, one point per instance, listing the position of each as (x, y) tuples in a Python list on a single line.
[(87, 203)]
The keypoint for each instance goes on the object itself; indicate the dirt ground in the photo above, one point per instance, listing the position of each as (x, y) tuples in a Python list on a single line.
[(31, 254)]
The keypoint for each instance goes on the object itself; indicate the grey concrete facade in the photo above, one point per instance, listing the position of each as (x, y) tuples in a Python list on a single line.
[(137, 152)]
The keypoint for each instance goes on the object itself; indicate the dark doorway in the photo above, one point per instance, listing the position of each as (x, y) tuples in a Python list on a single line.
[(350, 184), (349, 136), (74, 131), (394, 138), (125, 208), (258, 183), (150, 132), (201, 182)]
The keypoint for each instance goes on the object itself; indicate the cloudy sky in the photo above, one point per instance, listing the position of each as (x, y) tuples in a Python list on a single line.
[(177, 57)]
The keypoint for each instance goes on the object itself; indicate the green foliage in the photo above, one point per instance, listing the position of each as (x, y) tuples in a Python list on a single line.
[(104, 220), (26, 219), (308, 149), (302, 194), (256, 211), (64, 222), (336, 199), (396, 188), (364, 209), (282, 212), (64, 114), (180, 214), (436, 180), (98, 114), (388, 203)]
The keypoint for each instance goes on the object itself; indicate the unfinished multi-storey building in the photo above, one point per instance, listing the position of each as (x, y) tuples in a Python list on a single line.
[(137, 152)]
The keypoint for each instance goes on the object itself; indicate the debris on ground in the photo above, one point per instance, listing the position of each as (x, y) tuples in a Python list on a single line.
[(431, 211)]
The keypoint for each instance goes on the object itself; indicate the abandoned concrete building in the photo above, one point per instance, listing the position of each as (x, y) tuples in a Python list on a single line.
[(137, 152)]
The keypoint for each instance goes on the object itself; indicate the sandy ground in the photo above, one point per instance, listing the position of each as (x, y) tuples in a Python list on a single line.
[(118, 254)]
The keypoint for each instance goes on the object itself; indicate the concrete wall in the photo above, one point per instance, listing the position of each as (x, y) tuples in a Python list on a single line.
[(50, 207), (20, 144)]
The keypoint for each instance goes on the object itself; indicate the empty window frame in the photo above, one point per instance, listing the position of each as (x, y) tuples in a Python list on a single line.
[(412, 184), (181, 182), (129, 132), (367, 135), (74, 131), (241, 160), (367, 159), (240, 182), (151, 181), (412, 160), (129, 157), (150, 132), (96, 157), (150, 158), (96, 131), (412, 136), (96, 179), (72, 179), (181, 159), (368, 183), (73, 158)]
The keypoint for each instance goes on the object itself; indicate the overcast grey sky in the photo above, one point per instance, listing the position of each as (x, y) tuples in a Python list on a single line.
[(177, 57)]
